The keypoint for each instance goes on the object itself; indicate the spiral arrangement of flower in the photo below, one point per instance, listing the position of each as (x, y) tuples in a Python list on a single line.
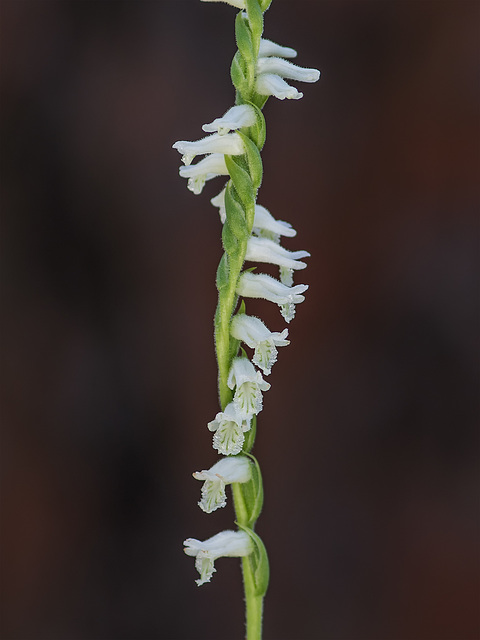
[(260, 69)]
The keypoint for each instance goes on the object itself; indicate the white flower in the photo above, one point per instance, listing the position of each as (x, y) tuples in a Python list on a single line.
[(257, 336), (260, 285), (269, 84), (226, 471), (264, 224), (240, 4), (219, 201), (242, 115), (229, 427), (231, 544), (266, 250), (271, 73), (249, 384), (231, 144), (210, 167), (269, 48), (285, 69)]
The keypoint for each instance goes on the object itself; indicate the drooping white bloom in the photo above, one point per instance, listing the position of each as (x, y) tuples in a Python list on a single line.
[(229, 430), (270, 84), (266, 250), (264, 224), (210, 167), (219, 201), (248, 384), (256, 335), (231, 144), (285, 69), (226, 471), (269, 48), (242, 115), (260, 285), (228, 544)]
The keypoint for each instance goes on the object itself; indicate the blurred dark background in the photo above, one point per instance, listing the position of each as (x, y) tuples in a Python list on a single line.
[(368, 438)]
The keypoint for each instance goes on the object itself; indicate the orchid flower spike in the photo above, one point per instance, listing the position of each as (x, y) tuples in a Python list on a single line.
[(265, 225), (260, 285), (210, 167), (269, 48), (231, 144), (242, 115), (229, 428), (265, 250), (226, 471), (248, 384), (229, 544), (256, 335)]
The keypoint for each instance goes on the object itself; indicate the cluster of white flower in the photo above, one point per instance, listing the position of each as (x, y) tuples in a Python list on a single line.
[(246, 382)]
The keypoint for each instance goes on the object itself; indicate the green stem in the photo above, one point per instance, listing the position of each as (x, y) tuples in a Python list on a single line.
[(253, 602), (226, 305)]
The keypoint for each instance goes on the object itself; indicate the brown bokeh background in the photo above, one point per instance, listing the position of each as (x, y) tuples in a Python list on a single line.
[(367, 441)]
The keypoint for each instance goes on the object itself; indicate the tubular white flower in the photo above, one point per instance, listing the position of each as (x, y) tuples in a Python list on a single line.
[(285, 69), (231, 144), (256, 335), (226, 544), (264, 223), (226, 471), (260, 285), (219, 201), (270, 84), (210, 167), (248, 384), (266, 250), (240, 4), (242, 115), (269, 48), (229, 427)]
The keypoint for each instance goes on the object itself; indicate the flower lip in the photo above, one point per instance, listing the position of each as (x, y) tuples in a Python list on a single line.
[(209, 167), (264, 221), (229, 428), (233, 544), (266, 250), (242, 115), (231, 144), (225, 471), (248, 384), (261, 285), (253, 332), (271, 84)]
